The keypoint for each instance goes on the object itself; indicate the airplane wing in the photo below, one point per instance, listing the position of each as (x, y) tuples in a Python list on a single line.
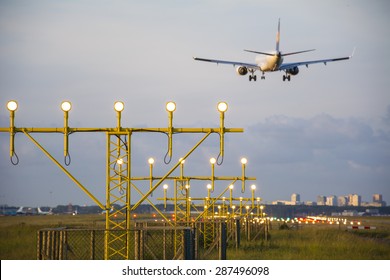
[(234, 63), (286, 66)]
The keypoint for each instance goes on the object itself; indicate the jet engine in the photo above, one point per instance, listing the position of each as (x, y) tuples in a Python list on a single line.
[(242, 70), (293, 71)]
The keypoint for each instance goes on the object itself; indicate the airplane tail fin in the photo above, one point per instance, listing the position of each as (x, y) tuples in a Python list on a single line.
[(278, 38), (277, 47)]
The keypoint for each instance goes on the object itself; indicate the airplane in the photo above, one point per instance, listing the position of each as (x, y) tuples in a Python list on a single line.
[(273, 62), (105, 210), (21, 211), (40, 212), (25, 211)]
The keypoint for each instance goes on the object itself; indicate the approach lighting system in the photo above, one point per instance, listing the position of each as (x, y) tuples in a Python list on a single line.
[(119, 106), (121, 183), (171, 106), (12, 105), (66, 106), (222, 107)]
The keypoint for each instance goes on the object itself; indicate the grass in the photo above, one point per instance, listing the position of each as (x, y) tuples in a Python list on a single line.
[(316, 243), (308, 242), (18, 234), (323, 242)]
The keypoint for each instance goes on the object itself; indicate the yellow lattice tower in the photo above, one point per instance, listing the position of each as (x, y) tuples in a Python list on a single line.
[(117, 235)]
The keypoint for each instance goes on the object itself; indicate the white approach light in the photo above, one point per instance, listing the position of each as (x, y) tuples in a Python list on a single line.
[(66, 106), (171, 106), (244, 161), (151, 160), (253, 187), (12, 105), (222, 107), (119, 106), (213, 160)]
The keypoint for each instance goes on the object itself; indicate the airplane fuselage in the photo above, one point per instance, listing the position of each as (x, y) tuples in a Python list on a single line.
[(269, 63)]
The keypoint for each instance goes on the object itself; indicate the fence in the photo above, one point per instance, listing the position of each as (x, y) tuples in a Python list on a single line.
[(89, 244), (149, 240)]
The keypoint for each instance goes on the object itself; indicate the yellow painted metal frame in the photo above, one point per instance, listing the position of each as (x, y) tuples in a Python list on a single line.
[(118, 171)]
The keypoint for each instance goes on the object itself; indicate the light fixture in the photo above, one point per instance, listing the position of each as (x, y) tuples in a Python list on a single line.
[(222, 107), (66, 106), (151, 160), (12, 105), (244, 161), (253, 187), (209, 186), (231, 187), (171, 106), (165, 186), (213, 160), (119, 106), (119, 161)]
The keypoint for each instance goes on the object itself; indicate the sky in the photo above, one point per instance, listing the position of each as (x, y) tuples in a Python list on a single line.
[(326, 132)]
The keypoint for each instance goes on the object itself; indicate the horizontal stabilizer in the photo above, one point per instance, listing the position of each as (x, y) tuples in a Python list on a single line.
[(270, 54), (285, 54)]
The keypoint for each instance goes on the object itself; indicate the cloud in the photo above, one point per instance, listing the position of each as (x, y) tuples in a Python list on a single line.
[(286, 139), (318, 154)]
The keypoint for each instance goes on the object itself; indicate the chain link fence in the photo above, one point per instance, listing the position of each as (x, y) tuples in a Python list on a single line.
[(150, 241), (157, 243)]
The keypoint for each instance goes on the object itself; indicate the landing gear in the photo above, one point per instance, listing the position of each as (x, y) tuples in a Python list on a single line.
[(252, 77), (286, 77)]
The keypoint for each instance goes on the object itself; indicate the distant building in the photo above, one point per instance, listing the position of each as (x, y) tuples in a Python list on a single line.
[(351, 213), (331, 200), (321, 200), (310, 203), (342, 201), (354, 200), (377, 198), (295, 199), (282, 202)]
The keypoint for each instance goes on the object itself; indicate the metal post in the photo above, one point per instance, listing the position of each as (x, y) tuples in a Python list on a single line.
[(222, 241), (238, 233), (187, 243)]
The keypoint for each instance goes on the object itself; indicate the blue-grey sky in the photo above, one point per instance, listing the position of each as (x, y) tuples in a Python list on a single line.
[(325, 132)]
